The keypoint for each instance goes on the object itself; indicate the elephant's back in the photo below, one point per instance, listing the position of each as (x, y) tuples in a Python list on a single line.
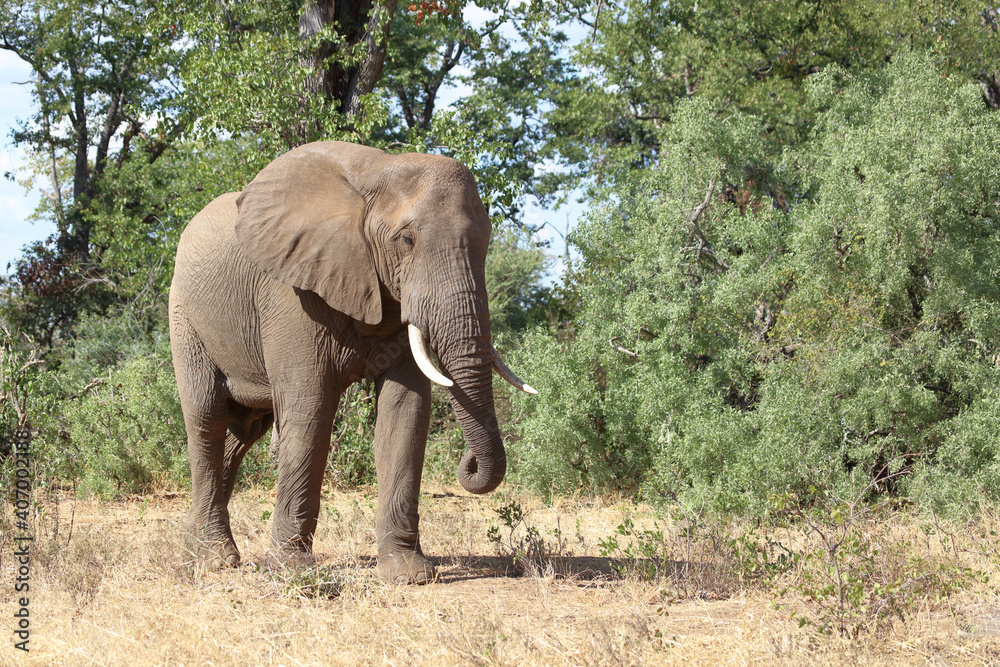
[(209, 238), (209, 264), (215, 290)]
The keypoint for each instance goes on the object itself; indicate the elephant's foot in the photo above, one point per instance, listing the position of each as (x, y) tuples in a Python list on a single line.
[(405, 567), (213, 550), (290, 550), (219, 555)]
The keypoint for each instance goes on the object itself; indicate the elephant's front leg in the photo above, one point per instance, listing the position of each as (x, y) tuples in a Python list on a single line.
[(305, 424), (404, 404)]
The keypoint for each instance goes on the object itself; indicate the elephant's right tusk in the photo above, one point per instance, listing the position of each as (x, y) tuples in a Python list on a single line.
[(508, 375), (422, 355)]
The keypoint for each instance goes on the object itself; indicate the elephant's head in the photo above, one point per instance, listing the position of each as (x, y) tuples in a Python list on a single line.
[(356, 226)]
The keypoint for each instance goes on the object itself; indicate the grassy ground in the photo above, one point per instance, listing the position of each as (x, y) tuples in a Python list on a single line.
[(119, 590)]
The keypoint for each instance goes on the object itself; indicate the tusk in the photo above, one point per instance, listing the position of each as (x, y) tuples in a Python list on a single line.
[(503, 371), (421, 354)]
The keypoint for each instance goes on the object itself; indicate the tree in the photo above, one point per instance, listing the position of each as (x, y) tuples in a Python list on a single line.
[(644, 59), (98, 72), (736, 344), (102, 74), (131, 97), (288, 76)]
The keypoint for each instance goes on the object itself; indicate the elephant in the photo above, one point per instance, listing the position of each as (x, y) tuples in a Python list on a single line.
[(336, 263)]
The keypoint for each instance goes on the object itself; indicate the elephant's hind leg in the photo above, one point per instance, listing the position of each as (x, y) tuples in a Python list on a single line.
[(208, 518), (212, 527), (203, 402)]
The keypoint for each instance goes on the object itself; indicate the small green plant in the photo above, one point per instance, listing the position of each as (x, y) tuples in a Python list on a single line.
[(644, 553), (862, 586), (857, 579), (519, 540), (760, 559), (693, 558)]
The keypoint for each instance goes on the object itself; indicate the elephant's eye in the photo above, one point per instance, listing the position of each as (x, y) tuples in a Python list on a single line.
[(407, 240)]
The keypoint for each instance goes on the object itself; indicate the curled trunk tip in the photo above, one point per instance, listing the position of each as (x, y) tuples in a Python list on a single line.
[(476, 477)]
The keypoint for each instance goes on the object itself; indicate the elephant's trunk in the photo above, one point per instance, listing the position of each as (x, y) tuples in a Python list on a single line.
[(466, 353)]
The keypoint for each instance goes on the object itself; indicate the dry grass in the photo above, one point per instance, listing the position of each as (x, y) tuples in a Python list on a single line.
[(120, 591)]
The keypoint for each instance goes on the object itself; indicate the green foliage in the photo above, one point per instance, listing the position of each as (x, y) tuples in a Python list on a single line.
[(857, 578), (644, 553), (352, 457), (102, 343), (695, 558), (260, 465), (642, 60), (515, 267), (128, 433), (252, 74), (18, 370), (861, 586), (510, 65), (57, 399), (754, 326)]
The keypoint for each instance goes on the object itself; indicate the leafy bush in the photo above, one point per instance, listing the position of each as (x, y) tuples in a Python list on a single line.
[(514, 270), (352, 456), (695, 558), (110, 371), (857, 576), (128, 434), (757, 326)]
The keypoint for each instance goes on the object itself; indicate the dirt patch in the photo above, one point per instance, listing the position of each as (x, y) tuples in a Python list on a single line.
[(120, 590)]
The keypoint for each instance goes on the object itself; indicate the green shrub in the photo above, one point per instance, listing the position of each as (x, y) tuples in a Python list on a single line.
[(515, 266), (127, 434), (755, 326), (352, 456), (260, 465)]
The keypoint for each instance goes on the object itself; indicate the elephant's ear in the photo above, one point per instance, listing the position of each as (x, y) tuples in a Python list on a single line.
[(301, 222)]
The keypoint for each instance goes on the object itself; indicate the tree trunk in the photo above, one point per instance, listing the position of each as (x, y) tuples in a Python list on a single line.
[(342, 81)]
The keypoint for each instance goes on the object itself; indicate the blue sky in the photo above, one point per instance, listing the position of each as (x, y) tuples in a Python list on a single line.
[(16, 204)]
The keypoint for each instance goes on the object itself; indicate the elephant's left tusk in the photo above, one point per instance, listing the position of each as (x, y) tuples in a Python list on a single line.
[(508, 375), (422, 355)]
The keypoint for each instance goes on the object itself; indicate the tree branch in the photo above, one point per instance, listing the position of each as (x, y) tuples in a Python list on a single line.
[(448, 61), (53, 163), (366, 75)]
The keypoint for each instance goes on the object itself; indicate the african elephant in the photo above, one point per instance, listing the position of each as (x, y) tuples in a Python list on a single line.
[(337, 262)]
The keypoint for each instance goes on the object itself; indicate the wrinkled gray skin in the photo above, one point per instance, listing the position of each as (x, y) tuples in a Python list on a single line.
[(286, 293)]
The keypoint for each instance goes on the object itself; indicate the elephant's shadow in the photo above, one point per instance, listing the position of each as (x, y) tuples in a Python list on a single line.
[(454, 569), (465, 568)]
